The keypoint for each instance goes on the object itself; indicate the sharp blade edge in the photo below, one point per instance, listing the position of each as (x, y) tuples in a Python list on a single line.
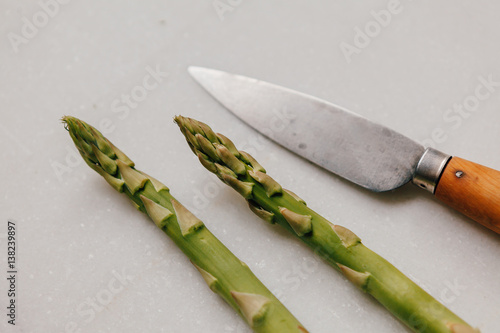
[(366, 153)]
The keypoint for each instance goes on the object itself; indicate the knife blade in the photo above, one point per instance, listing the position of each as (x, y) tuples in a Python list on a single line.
[(355, 148)]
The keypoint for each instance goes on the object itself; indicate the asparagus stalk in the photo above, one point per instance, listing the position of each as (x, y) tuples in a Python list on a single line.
[(224, 273), (337, 245)]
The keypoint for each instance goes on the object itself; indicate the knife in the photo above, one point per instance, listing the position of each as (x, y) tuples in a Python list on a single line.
[(368, 154)]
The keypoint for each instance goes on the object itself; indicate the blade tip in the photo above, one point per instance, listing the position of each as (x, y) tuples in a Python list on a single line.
[(197, 71), (192, 70)]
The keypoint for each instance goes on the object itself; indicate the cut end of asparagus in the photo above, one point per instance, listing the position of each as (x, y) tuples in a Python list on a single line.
[(156, 212), (301, 224), (253, 307), (188, 223)]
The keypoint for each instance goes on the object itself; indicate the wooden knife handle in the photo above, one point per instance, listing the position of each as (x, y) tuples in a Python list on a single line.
[(473, 190)]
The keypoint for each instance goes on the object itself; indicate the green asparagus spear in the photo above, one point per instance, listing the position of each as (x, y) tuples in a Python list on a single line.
[(337, 245), (225, 274)]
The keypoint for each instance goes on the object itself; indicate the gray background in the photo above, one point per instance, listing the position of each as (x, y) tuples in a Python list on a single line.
[(80, 242)]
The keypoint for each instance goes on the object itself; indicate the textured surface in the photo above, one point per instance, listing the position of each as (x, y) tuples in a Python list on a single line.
[(90, 55)]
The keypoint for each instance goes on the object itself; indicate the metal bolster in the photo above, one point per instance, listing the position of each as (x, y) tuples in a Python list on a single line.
[(429, 169)]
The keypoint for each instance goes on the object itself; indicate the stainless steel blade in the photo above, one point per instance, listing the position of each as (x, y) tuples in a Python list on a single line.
[(343, 142)]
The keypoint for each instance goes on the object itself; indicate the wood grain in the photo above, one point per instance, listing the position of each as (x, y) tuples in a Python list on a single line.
[(473, 190)]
